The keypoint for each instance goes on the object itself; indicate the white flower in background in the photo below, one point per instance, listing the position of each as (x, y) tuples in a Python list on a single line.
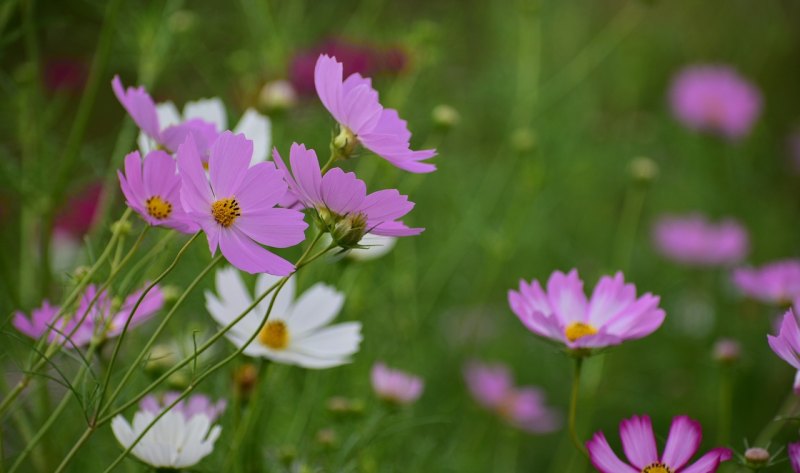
[(297, 332), (179, 439), (255, 126), (375, 247)]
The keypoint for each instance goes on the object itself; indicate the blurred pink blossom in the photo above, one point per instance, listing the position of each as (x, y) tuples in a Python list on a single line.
[(394, 385), (65, 74), (774, 283), (695, 241)]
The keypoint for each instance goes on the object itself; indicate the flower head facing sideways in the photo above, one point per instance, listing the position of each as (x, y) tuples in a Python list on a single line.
[(786, 344), (87, 322), (363, 120), (639, 444), (298, 332), (152, 188), (492, 386), (715, 99), (561, 311), (693, 240), (395, 386), (341, 201), (182, 437), (209, 119), (773, 283), (235, 205)]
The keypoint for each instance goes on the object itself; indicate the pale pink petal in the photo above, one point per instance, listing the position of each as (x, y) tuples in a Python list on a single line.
[(638, 441), (385, 205), (565, 292), (262, 188), (279, 228), (342, 192), (140, 107), (249, 256), (306, 169), (603, 458), (328, 82), (683, 440), (195, 190), (228, 163), (793, 450), (709, 462), (361, 109)]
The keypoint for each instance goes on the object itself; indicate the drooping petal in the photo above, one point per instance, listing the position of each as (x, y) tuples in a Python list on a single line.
[(249, 256), (709, 462), (140, 107), (275, 227)]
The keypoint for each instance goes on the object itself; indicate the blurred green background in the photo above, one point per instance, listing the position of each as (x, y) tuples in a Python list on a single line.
[(555, 99)]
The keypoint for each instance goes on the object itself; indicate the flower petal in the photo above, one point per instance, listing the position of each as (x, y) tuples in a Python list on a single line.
[(603, 458), (638, 441), (684, 439)]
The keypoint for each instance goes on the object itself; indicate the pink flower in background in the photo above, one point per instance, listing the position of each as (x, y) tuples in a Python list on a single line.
[(152, 188), (81, 326), (142, 109), (77, 216), (639, 445), (355, 105), (355, 58), (562, 313), (694, 240), (774, 283), (787, 343), (394, 385), (195, 404), (492, 386), (65, 74), (715, 98), (793, 450), (235, 205), (341, 198)]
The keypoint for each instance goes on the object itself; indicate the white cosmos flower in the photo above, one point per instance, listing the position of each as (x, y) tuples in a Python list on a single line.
[(179, 439), (255, 126), (297, 332)]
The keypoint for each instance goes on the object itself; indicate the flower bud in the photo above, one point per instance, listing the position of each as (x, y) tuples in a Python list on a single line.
[(245, 378), (170, 293), (344, 144), (727, 351), (80, 273), (327, 438), (162, 357), (123, 227), (277, 96), (756, 456), (523, 140), (347, 232), (445, 116), (643, 170)]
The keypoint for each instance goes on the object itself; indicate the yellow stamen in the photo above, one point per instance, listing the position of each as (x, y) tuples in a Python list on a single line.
[(226, 211), (576, 330), (657, 467), (274, 335), (158, 208)]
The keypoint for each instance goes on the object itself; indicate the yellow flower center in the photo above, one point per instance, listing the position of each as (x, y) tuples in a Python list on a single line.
[(274, 335), (657, 467), (576, 330), (158, 208), (225, 211)]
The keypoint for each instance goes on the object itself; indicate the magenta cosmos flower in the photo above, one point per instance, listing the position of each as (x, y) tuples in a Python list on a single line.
[(715, 99), (152, 188), (395, 386), (694, 240), (562, 313), (793, 449), (787, 343), (85, 323), (639, 445), (492, 386), (235, 205), (362, 119), (775, 283), (341, 200), (142, 109)]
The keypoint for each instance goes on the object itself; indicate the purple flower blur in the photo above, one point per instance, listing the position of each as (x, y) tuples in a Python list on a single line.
[(693, 240), (774, 283), (395, 386)]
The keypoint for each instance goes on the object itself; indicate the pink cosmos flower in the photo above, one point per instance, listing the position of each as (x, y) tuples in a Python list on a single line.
[(639, 444), (341, 199), (775, 283), (613, 314), (354, 104), (715, 99), (793, 449), (235, 205), (77, 216), (492, 386), (394, 385), (787, 343), (188, 408), (79, 328), (152, 189), (142, 109), (693, 240)]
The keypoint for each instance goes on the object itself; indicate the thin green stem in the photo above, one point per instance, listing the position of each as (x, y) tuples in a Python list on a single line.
[(787, 410), (245, 425), (84, 437), (144, 293), (628, 225), (725, 406), (573, 407), (329, 163)]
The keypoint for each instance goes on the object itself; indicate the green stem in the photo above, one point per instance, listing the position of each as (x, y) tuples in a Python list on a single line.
[(787, 410), (725, 406), (628, 225), (328, 164), (254, 406), (144, 293), (573, 407)]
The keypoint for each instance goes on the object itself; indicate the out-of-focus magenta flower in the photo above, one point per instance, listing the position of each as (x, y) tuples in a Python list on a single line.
[(695, 241), (195, 404), (715, 98), (639, 445), (152, 188), (356, 59), (395, 386), (786, 344), (492, 386), (79, 328), (65, 74), (341, 199), (562, 313), (774, 283), (235, 204), (77, 216), (363, 120), (793, 449)]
